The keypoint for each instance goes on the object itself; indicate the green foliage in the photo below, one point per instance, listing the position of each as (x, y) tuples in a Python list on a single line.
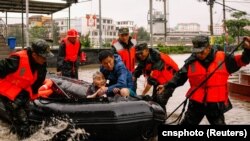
[(40, 32), (56, 34), (236, 26), (107, 44), (142, 35), (220, 40), (174, 49), (85, 41)]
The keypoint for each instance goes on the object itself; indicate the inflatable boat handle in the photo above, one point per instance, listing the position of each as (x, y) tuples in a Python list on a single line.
[(64, 93)]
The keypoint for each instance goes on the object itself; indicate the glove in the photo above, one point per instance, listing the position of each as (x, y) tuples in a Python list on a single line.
[(45, 90), (162, 99), (167, 92)]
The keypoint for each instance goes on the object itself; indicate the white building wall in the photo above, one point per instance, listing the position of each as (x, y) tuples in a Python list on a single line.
[(108, 30), (218, 29), (188, 27), (63, 24), (128, 24)]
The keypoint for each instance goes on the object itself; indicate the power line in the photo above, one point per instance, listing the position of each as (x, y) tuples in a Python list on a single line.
[(231, 8), (238, 1)]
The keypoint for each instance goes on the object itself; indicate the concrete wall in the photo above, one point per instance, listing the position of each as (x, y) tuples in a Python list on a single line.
[(92, 56)]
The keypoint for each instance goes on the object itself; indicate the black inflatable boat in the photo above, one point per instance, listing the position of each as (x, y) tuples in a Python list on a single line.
[(104, 118)]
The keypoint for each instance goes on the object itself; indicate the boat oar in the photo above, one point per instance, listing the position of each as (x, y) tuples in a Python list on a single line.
[(202, 83)]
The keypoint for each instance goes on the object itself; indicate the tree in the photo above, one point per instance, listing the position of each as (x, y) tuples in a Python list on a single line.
[(39, 32), (220, 40), (85, 41), (142, 34), (236, 26), (56, 34)]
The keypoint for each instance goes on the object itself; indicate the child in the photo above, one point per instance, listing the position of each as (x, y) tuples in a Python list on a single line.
[(94, 89)]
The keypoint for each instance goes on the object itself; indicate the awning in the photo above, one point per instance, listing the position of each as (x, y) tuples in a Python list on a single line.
[(36, 7)]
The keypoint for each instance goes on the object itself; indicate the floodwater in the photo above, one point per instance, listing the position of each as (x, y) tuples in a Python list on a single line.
[(238, 115)]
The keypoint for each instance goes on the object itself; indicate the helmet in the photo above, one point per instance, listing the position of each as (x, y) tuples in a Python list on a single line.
[(42, 48)]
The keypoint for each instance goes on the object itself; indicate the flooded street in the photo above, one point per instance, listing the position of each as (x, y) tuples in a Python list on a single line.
[(238, 115)]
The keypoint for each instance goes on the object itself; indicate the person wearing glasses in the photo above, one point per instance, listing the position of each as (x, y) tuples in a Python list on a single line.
[(157, 67), (210, 99)]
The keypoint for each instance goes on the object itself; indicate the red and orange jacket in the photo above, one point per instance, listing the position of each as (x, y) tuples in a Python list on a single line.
[(215, 89), (71, 50), (21, 79), (159, 68), (127, 54)]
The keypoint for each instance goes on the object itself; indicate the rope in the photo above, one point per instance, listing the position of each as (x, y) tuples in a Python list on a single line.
[(202, 83)]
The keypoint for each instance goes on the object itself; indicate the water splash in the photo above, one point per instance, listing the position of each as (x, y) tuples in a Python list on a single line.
[(57, 128)]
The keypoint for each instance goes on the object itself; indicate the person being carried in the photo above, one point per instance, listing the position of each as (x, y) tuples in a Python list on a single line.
[(114, 70)]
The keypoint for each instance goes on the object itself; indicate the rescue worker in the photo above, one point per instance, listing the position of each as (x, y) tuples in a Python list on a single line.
[(157, 67), (68, 54), (116, 74), (125, 47), (211, 99), (21, 76)]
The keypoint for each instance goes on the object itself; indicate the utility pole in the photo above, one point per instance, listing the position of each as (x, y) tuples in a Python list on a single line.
[(100, 24), (27, 23), (69, 18), (151, 21), (211, 4), (165, 22), (224, 23)]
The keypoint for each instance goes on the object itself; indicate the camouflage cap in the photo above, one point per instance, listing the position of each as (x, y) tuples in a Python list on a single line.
[(140, 47), (124, 30), (42, 48), (200, 42)]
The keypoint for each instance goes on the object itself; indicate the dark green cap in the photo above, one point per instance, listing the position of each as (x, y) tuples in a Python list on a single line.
[(123, 30), (140, 47), (42, 48), (200, 42)]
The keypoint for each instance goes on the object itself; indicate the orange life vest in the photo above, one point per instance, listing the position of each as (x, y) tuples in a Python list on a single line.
[(127, 55), (166, 74), (23, 78), (71, 50), (215, 89)]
